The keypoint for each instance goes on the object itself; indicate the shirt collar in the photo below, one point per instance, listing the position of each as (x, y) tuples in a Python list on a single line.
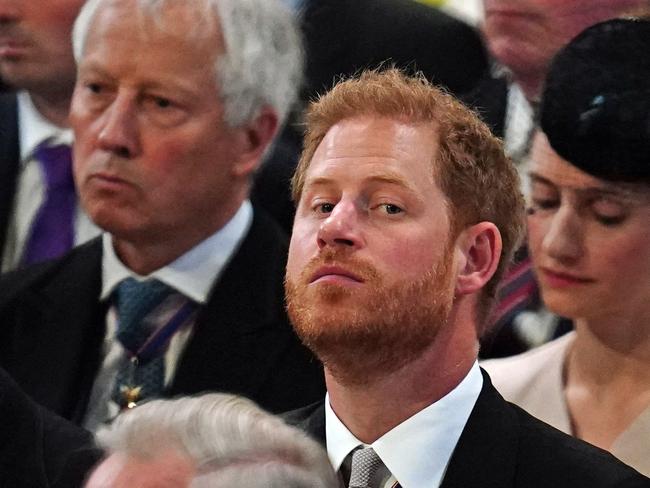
[(418, 450), (195, 272), (34, 129)]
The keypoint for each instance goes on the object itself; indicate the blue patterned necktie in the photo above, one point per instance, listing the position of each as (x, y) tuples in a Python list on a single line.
[(52, 232), (135, 301)]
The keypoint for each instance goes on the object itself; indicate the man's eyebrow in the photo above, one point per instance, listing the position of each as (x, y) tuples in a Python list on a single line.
[(383, 178), (178, 85), (95, 69)]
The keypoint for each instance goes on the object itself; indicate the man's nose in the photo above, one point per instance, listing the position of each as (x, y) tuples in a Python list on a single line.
[(119, 131), (341, 227)]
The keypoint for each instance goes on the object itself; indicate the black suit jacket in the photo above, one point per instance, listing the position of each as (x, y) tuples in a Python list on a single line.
[(503, 446), (490, 99), (37, 448), (52, 326), (9, 161), (344, 36)]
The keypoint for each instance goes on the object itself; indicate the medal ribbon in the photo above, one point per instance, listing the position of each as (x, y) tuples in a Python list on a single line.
[(159, 339)]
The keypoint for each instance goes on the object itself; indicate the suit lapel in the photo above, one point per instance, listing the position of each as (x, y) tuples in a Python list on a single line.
[(236, 339), (486, 453), (309, 419), (69, 323), (9, 161)]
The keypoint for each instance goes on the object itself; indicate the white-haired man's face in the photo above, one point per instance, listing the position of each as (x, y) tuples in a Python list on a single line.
[(154, 160)]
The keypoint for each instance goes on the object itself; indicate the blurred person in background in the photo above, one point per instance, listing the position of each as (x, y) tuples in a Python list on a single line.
[(589, 237), (522, 37), (210, 441), (174, 106), (39, 214)]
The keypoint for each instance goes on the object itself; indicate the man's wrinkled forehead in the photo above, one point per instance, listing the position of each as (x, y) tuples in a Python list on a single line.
[(189, 21)]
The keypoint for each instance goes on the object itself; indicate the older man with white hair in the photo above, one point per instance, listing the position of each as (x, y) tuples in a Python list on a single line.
[(174, 106), (214, 440)]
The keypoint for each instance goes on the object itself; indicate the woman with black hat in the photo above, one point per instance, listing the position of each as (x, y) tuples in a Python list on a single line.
[(589, 237)]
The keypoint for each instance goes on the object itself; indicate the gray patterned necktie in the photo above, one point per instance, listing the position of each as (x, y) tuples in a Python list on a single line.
[(365, 464)]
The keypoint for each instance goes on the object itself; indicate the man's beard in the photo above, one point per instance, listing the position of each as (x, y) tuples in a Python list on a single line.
[(366, 332)]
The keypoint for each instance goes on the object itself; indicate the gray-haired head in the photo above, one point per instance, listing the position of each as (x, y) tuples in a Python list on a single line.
[(263, 60), (230, 440)]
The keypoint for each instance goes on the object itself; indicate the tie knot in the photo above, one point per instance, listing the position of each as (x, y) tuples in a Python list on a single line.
[(135, 300), (57, 165), (365, 465)]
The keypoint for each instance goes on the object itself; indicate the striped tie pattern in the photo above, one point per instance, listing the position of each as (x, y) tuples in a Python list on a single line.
[(135, 301)]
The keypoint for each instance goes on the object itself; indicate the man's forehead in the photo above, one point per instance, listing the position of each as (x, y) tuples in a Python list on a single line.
[(182, 20)]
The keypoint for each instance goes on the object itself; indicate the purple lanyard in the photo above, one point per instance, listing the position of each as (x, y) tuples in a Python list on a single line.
[(161, 336)]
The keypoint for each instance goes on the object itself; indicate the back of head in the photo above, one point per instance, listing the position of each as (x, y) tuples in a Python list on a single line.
[(228, 439), (596, 104)]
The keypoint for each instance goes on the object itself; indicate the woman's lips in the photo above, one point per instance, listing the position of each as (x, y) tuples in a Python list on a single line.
[(561, 279)]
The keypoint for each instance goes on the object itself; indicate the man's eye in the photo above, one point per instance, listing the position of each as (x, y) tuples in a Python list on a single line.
[(391, 209), (325, 207), (94, 87), (162, 102)]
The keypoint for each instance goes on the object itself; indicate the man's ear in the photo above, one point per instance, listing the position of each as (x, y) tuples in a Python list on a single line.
[(255, 138), (480, 250)]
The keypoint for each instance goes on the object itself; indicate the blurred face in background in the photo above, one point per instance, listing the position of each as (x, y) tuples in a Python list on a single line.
[(35, 44), (589, 239), (524, 35)]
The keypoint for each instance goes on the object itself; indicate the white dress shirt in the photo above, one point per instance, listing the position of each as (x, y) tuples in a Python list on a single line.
[(193, 275), (34, 129), (418, 450), (518, 132)]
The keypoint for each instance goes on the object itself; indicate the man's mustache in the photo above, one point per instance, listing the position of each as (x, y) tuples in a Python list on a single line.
[(340, 258)]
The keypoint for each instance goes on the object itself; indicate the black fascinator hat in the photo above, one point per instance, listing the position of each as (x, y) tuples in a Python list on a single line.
[(595, 107)]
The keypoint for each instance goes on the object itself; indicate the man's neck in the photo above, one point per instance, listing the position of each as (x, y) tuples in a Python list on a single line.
[(143, 252), (372, 409), (53, 107)]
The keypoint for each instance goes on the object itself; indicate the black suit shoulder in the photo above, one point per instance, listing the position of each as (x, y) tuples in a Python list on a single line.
[(37, 448), (503, 446), (518, 450), (52, 326), (489, 98), (264, 359), (554, 456)]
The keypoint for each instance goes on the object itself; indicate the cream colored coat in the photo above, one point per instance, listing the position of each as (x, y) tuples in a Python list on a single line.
[(534, 381)]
